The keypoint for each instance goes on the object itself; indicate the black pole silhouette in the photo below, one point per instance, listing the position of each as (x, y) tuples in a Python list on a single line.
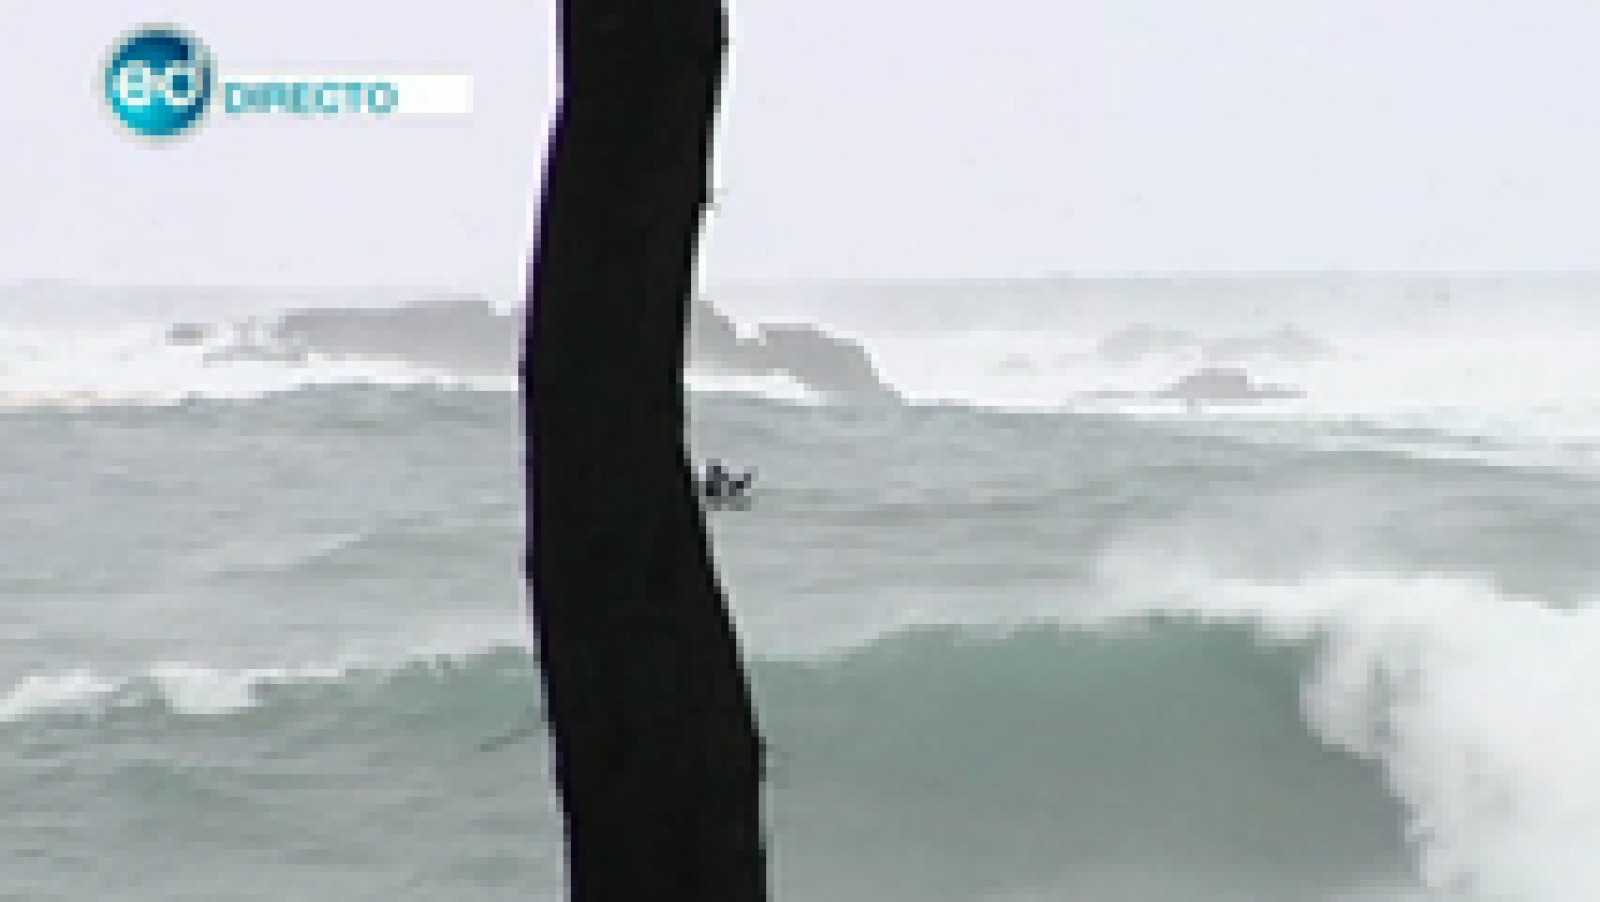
[(658, 759)]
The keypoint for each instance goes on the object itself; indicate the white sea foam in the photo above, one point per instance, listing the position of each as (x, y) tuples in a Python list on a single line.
[(1477, 705), (134, 364)]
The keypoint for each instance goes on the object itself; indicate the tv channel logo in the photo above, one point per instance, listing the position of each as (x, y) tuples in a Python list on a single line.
[(161, 83), (157, 82)]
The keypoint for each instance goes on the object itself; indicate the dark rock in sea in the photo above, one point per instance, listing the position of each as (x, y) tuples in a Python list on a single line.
[(1209, 386), (1137, 343), (834, 366), (466, 335), (714, 339), (187, 335), (1111, 394), (461, 334), (710, 332), (1222, 385), (1285, 344)]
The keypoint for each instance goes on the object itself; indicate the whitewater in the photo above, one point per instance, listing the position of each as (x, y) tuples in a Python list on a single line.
[(263, 634)]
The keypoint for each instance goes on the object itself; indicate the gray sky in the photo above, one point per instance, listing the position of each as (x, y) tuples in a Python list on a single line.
[(889, 138)]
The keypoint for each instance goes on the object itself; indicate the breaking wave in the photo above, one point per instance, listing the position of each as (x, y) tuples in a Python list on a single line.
[(1237, 738)]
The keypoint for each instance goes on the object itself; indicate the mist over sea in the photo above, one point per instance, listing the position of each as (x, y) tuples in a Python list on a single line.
[(1036, 634)]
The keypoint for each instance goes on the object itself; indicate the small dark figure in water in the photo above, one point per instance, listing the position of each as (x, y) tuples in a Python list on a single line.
[(716, 481), (720, 485)]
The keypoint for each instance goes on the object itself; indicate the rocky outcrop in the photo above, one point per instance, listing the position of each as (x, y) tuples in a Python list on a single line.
[(827, 364), (1223, 385), (1216, 385), (467, 335), (188, 335), (714, 339), (834, 366), (462, 335)]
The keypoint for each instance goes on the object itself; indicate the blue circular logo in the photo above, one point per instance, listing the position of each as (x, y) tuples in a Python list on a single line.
[(157, 82)]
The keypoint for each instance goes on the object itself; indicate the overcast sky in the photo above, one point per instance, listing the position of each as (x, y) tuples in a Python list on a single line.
[(861, 138)]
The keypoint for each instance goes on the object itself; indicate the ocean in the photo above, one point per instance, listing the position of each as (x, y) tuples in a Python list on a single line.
[(263, 635)]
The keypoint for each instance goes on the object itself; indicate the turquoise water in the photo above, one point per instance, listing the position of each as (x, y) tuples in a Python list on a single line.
[(268, 648)]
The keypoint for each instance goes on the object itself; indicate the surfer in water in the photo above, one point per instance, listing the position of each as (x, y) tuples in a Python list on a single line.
[(721, 485)]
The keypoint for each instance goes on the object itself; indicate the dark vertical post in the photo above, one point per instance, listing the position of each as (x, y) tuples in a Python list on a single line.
[(657, 755)]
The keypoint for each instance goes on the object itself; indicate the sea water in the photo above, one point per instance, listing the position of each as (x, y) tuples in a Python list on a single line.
[(263, 637)]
